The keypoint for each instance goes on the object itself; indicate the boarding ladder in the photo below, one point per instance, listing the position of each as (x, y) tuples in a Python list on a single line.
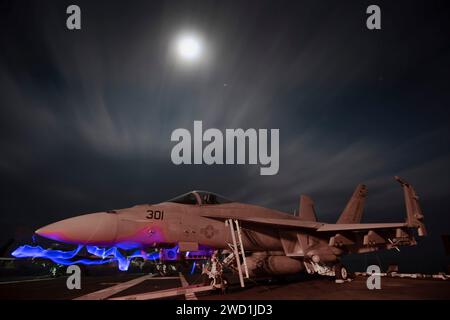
[(238, 249)]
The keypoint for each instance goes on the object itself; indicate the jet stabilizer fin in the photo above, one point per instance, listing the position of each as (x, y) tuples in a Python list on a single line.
[(414, 216), (354, 208), (306, 210)]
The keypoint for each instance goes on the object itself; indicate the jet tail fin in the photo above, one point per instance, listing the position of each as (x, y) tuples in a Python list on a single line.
[(414, 216), (306, 210), (354, 208)]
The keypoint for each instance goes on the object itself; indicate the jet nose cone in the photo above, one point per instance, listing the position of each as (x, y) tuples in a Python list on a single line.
[(95, 228)]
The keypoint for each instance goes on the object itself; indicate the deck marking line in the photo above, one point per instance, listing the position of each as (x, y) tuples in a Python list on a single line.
[(108, 292), (189, 295)]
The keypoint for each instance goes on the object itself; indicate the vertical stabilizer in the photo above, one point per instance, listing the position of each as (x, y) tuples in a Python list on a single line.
[(306, 210), (354, 208)]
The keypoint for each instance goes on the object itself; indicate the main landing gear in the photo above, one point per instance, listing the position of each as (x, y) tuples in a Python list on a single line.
[(336, 270), (340, 273)]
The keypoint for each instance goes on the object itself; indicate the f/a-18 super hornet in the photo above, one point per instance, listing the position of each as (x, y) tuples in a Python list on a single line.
[(251, 240)]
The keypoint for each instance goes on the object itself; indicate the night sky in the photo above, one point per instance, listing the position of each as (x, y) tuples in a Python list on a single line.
[(86, 116)]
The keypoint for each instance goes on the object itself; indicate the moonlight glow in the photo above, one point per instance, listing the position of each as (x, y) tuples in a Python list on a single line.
[(189, 47)]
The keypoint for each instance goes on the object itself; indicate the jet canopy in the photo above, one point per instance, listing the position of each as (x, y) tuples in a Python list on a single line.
[(200, 198)]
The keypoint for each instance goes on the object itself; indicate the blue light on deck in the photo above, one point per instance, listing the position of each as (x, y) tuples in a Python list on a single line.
[(193, 267), (27, 251), (107, 255)]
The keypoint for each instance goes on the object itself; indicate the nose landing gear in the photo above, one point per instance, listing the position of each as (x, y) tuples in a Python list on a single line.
[(213, 274)]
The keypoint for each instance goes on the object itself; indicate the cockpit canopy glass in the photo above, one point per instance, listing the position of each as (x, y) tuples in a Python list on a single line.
[(187, 198), (200, 197), (212, 198)]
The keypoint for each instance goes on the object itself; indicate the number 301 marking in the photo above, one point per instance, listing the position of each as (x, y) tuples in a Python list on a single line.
[(155, 214)]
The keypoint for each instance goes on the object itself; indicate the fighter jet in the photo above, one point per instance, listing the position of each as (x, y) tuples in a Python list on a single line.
[(251, 240)]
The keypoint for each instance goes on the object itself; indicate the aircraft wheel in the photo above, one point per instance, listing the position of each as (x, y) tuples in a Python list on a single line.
[(341, 273), (223, 281), (224, 284)]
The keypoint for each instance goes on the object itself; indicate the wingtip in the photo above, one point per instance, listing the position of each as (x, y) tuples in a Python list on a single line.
[(401, 181)]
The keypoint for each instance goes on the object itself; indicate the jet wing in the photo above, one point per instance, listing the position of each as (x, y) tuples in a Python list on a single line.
[(296, 223), (359, 226), (276, 222), (367, 237)]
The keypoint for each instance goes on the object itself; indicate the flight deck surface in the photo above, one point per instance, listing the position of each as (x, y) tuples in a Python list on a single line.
[(131, 285)]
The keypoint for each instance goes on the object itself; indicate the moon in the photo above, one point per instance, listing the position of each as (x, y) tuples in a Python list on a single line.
[(189, 47)]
